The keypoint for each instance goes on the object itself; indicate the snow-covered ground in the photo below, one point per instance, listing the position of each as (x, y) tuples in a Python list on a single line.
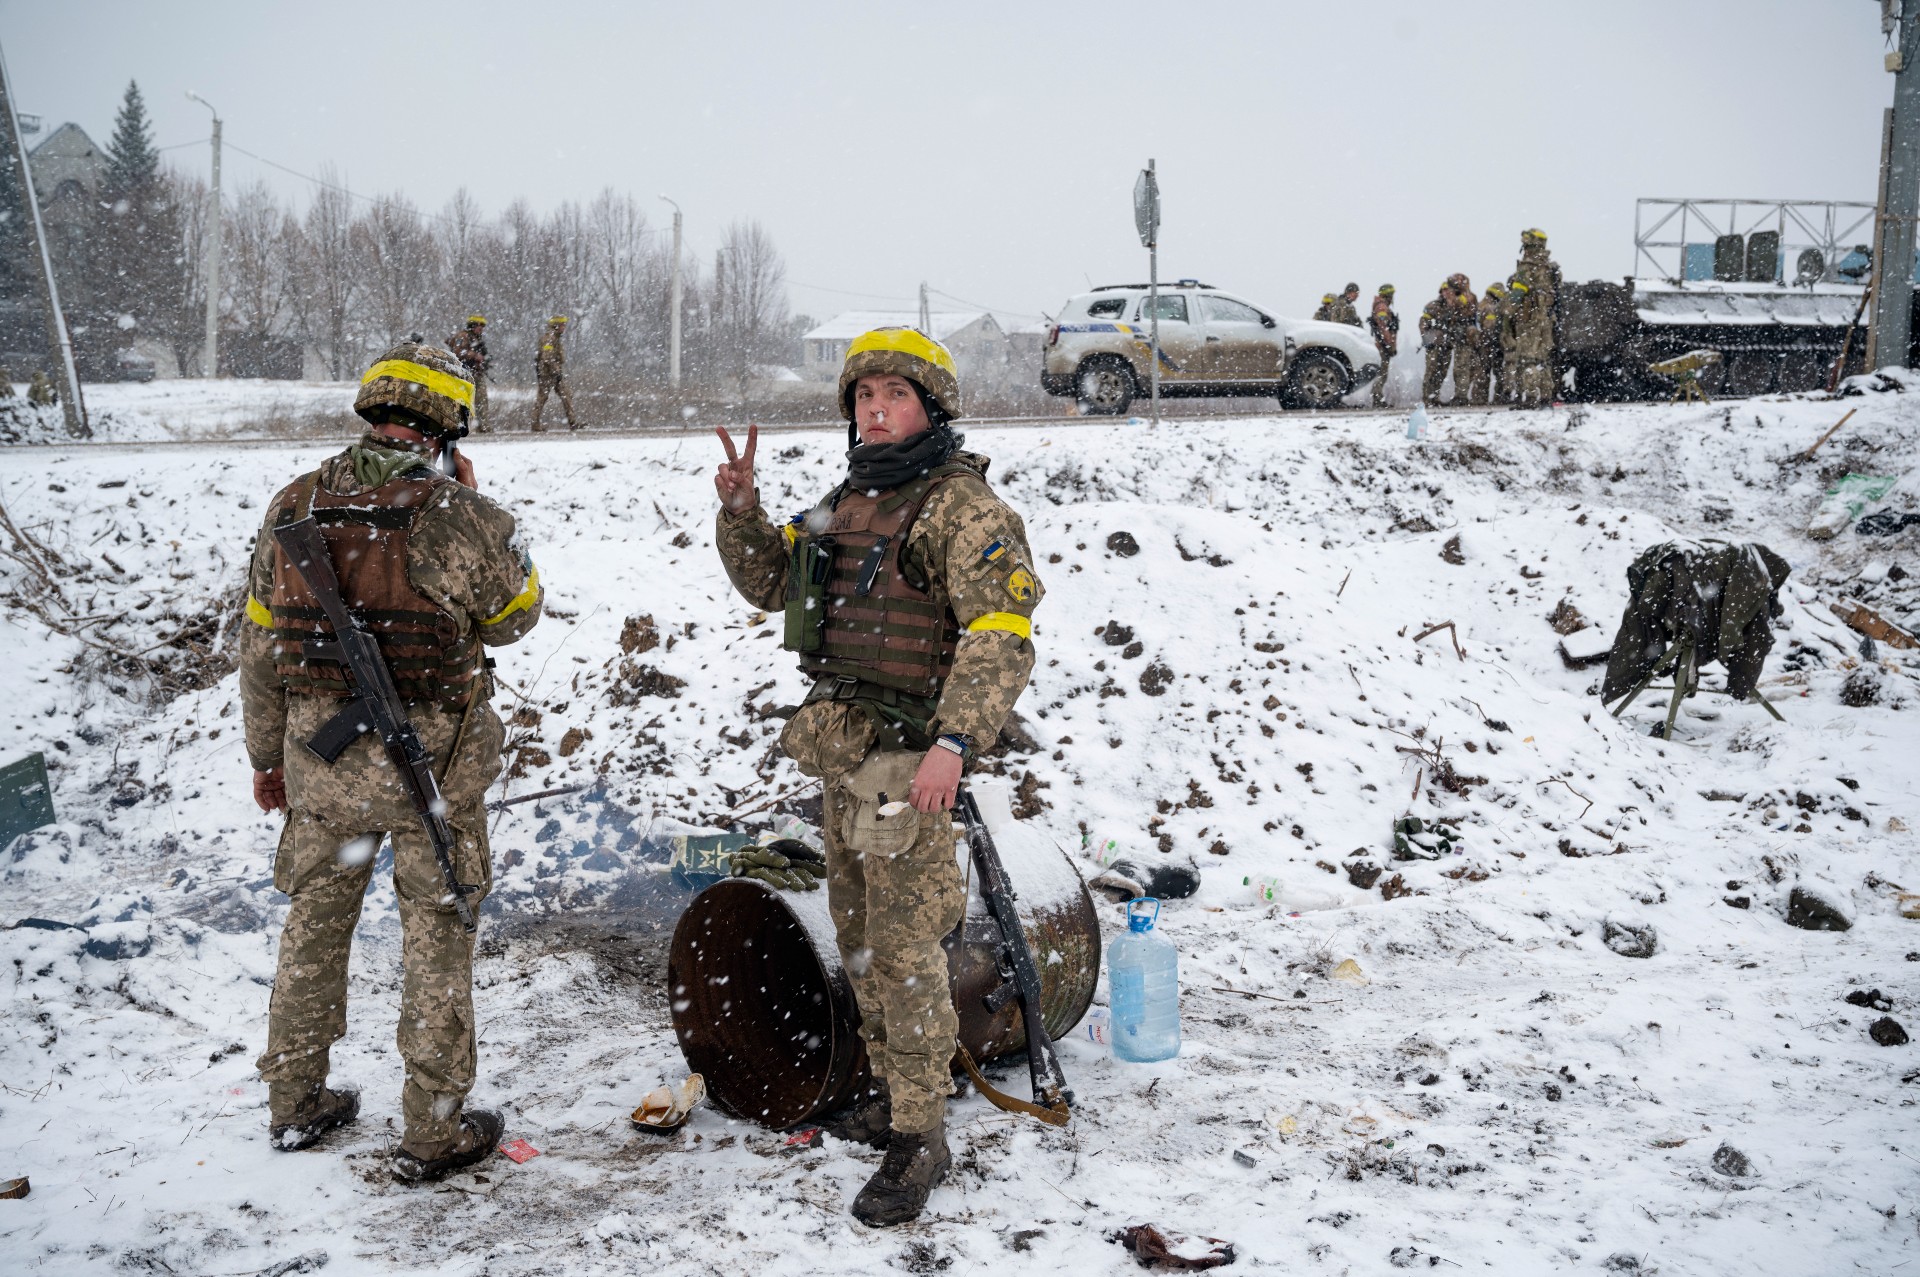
[(1495, 1087)]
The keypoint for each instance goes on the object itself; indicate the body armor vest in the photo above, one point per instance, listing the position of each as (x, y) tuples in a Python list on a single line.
[(368, 535), (882, 628)]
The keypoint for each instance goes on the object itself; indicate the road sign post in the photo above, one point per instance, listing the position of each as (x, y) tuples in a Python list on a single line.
[(1146, 219)]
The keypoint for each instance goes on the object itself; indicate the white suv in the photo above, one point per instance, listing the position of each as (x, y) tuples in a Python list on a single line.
[(1211, 343)]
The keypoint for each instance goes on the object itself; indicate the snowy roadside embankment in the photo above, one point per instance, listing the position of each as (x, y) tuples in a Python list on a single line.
[(1230, 672)]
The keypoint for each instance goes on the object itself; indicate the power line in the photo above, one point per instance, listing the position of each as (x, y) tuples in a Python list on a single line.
[(1023, 314), (845, 292), (177, 145)]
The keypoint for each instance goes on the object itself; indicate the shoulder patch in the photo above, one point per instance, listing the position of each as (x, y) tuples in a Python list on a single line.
[(994, 552), (1020, 584)]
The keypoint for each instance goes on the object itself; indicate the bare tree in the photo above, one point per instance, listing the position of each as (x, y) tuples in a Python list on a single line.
[(750, 316), (260, 240), (328, 279), (400, 269)]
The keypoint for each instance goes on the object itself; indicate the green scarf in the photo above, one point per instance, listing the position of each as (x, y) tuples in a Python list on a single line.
[(377, 460)]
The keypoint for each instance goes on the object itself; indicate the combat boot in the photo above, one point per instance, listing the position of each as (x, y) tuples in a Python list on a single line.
[(869, 1120), (898, 1191), (480, 1131), (321, 1111)]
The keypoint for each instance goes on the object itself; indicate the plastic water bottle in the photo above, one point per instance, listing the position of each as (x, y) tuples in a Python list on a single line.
[(1098, 1026), (1143, 977), (1417, 423)]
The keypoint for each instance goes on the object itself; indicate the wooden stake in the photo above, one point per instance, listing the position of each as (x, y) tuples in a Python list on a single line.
[(1808, 454)]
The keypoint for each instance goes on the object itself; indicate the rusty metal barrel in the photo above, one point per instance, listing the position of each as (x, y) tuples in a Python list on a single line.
[(764, 1010)]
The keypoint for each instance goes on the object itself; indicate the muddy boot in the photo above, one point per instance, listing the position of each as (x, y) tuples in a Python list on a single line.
[(321, 1111), (869, 1120), (480, 1131), (898, 1190), (539, 429)]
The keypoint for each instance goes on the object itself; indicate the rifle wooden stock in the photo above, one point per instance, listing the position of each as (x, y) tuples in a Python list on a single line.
[(376, 702)]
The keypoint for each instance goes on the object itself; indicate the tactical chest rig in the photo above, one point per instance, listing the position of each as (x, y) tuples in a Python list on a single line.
[(368, 536), (865, 628)]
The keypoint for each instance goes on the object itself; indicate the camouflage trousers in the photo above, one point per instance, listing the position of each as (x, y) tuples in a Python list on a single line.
[(546, 385), (480, 423), (894, 885), (325, 861), (1535, 382), (1439, 360), (1380, 382), (1472, 374)]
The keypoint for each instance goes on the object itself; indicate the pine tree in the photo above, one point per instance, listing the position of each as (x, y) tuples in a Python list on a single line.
[(132, 163), (136, 267)]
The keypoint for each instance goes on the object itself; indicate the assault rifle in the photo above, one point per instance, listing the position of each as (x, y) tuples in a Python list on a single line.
[(1019, 978), (376, 705)]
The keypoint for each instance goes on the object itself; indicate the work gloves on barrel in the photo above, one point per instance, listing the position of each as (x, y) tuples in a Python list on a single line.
[(785, 863)]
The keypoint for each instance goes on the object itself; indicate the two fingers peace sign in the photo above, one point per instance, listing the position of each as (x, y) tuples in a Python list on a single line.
[(734, 479)]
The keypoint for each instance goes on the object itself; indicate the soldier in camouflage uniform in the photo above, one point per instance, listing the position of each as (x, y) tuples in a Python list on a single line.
[(1324, 311), (1343, 310), (438, 570), (1532, 347), (550, 372), (469, 345), (1485, 338), (909, 594), (1386, 335), (1445, 331)]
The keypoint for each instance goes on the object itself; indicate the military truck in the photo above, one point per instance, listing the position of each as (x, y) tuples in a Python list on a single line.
[(1702, 283)]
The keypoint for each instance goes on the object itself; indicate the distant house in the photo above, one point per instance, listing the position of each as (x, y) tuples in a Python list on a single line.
[(68, 172), (975, 338)]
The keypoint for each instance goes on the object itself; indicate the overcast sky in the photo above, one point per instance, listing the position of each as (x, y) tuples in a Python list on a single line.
[(990, 148)]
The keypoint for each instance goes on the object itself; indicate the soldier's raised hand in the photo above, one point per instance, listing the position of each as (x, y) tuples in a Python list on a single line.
[(734, 479)]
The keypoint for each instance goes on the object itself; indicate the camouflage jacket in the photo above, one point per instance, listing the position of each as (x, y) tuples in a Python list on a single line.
[(1342, 312), (972, 549), (551, 359), (1385, 325), (470, 348), (464, 554)]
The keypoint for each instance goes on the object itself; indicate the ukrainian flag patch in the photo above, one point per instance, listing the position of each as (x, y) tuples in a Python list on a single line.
[(994, 552)]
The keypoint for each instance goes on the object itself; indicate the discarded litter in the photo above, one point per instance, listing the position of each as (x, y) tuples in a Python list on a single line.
[(1846, 501), (665, 1108), (1243, 1157), (1417, 422), (518, 1151), (809, 1138), (1126, 880), (1098, 1026), (15, 1187), (1417, 839), (1175, 1252), (1350, 972)]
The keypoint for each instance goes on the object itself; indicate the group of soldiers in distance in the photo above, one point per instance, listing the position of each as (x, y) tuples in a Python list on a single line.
[(469, 346), (1498, 346)]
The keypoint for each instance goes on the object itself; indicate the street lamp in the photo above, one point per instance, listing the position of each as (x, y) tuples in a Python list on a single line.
[(673, 330), (210, 365)]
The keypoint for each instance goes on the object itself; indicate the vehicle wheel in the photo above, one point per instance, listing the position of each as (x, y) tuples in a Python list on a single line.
[(1105, 387), (1317, 381)]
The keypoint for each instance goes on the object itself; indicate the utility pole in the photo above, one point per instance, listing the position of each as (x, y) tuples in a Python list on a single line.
[(926, 312), (673, 322), (60, 345), (210, 362), (1892, 329)]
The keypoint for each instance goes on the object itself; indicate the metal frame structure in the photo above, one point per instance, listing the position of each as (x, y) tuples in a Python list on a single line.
[(1832, 226)]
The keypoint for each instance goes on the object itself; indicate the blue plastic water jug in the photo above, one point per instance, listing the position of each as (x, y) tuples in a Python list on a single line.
[(1143, 988)]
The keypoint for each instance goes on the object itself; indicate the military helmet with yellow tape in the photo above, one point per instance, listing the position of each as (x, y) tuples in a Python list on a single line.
[(424, 382), (901, 352)]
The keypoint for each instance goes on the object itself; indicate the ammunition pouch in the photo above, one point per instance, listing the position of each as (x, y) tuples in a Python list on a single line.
[(806, 611)]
